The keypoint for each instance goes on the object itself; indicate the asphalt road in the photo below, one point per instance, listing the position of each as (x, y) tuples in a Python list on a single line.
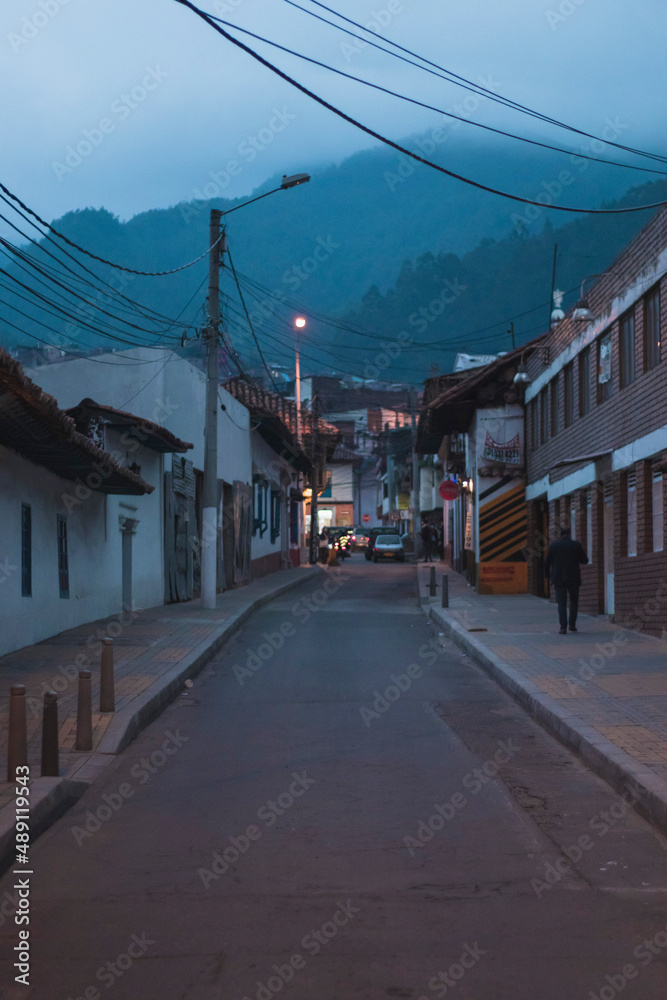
[(358, 813)]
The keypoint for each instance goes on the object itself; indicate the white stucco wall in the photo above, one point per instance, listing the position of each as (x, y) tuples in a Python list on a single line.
[(94, 549), (266, 461), (156, 385)]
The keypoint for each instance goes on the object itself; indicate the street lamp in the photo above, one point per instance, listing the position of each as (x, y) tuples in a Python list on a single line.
[(299, 325), (582, 312), (209, 550)]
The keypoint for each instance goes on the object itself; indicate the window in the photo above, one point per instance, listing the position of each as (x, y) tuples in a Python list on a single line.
[(657, 510), (554, 406), (589, 524), (604, 367), (568, 393), (585, 382), (63, 558), (652, 329), (632, 515), (259, 506), (26, 550), (275, 515), (627, 346), (573, 518), (544, 416)]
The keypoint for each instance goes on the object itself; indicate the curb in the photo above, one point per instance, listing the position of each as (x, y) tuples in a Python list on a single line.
[(50, 798), (604, 758)]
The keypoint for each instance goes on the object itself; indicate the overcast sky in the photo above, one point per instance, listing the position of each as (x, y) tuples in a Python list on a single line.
[(155, 100)]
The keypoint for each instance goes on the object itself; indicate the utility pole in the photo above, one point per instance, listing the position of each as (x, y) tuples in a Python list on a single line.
[(314, 444), (416, 479), (209, 551)]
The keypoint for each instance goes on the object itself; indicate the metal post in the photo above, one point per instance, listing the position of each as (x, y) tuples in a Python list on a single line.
[(50, 757), (84, 713), (314, 441), (416, 481), (107, 693), (445, 590), (297, 390), (17, 750), (432, 584), (209, 553)]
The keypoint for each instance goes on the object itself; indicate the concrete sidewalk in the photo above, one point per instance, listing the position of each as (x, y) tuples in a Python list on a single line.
[(155, 651), (602, 690)]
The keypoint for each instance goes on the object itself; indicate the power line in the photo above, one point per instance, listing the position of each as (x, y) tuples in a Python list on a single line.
[(422, 104), (45, 236), (102, 260), (252, 329), (390, 142), (76, 296), (466, 84)]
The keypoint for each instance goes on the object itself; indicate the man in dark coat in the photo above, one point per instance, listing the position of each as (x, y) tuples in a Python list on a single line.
[(562, 565), (427, 541)]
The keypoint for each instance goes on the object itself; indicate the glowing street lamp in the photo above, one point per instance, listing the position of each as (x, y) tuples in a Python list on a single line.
[(299, 324)]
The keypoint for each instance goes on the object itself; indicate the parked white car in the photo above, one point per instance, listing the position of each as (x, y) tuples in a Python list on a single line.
[(388, 547)]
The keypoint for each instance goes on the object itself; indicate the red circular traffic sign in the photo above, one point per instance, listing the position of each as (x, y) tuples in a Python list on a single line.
[(449, 489), (365, 518)]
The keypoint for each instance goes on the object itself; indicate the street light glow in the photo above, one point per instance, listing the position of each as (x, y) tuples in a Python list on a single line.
[(299, 322)]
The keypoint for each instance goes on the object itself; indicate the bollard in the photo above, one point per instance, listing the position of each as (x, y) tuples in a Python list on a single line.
[(445, 590), (84, 714), (50, 758), (17, 749), (432, 584), (107, 694)]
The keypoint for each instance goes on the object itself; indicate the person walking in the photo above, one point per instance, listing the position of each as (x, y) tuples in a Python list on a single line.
[(564, 558), (427, 541)]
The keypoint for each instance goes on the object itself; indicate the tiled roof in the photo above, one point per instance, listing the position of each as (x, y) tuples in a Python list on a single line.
[(32, 424)]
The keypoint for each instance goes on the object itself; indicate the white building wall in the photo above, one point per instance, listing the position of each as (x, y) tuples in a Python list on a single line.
[(265, 460), (94, 560)]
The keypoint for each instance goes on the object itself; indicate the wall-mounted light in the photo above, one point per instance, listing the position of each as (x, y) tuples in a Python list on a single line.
[(522, 377)]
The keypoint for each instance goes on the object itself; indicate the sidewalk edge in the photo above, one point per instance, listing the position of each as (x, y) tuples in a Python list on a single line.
[(50, 798), (604, 758)]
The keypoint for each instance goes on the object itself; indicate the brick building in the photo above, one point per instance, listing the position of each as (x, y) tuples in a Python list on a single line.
[(597, 436)]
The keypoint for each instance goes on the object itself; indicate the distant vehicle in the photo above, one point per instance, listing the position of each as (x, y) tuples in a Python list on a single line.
[(388, 547), (360, 537), (373, 534)]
